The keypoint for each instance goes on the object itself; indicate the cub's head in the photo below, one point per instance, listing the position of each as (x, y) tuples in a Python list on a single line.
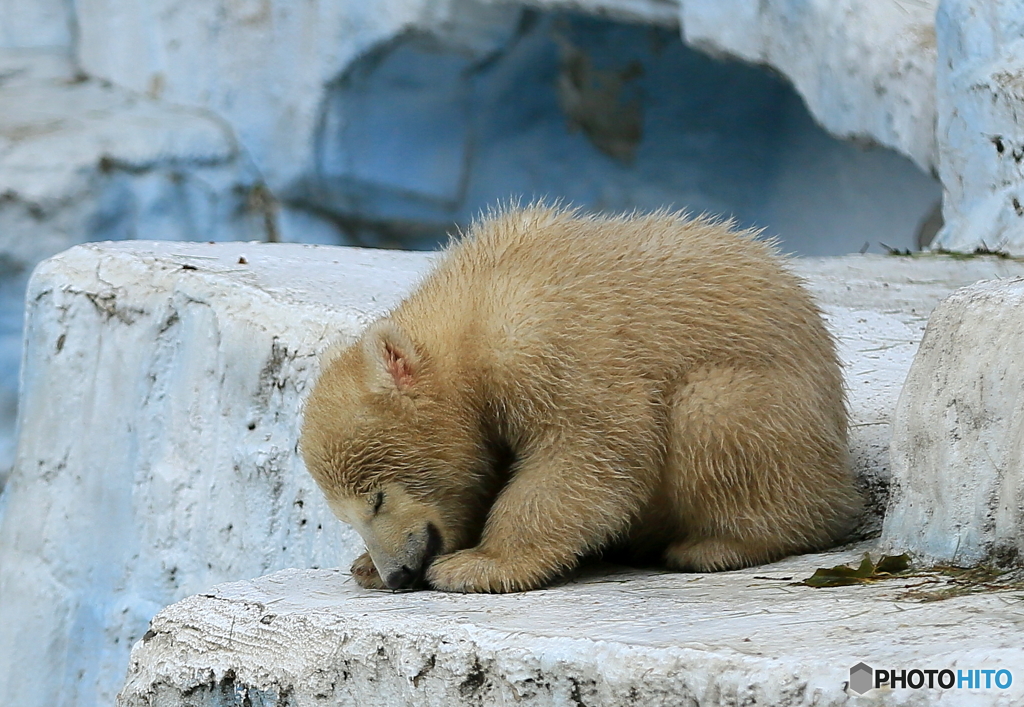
[(398, 452)]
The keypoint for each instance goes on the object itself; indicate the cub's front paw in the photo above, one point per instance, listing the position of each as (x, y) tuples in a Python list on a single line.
[(474, 571), (365, 573)]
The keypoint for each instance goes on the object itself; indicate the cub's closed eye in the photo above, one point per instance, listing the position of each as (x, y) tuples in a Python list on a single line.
[(378, 501)]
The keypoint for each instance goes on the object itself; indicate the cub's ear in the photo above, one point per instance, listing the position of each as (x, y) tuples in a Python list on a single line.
[(394, 363)]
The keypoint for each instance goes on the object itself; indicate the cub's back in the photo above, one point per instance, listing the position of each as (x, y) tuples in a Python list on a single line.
[(659, 292)]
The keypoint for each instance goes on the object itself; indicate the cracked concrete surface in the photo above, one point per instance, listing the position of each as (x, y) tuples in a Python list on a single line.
[(606, 637)]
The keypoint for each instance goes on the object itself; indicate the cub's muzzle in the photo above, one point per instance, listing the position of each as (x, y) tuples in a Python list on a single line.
[(406, 571)]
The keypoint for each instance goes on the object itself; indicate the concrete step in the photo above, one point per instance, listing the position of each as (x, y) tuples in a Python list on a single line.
[(606, 638)]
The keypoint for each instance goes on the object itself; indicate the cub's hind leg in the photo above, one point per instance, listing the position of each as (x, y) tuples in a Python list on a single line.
[(757, 467), (714, 554)]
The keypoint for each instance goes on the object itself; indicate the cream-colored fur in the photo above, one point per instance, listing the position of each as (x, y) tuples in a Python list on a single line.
[(564, 384)]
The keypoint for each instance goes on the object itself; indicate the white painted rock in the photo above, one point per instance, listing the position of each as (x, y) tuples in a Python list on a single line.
[(958, 436), (35, 23), (981, 90), (735, 638), (865, 68), (161, 402), (216, 55), (261, 64), (82, 161), (406, 116)]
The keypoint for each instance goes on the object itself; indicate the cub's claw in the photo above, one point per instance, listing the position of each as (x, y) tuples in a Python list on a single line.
[(365, 573)]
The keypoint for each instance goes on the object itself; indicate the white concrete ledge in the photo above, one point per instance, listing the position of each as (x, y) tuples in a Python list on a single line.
[(162, 388), (303, 638)]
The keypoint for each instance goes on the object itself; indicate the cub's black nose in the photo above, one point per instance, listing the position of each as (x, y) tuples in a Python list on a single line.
[(400, 579)]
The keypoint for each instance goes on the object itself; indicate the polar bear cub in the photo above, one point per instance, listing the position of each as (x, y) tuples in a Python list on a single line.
[(565, 384)]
